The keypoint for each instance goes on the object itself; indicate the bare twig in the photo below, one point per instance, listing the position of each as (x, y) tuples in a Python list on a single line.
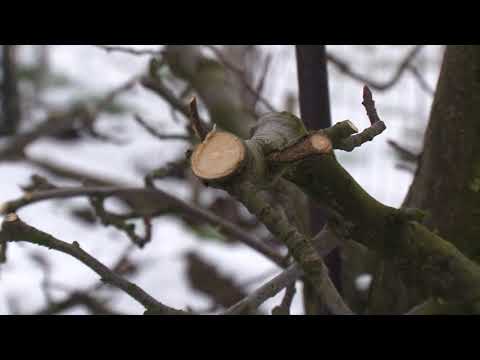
[(59, 122), (369, 105), (284, 307), (263, 77), (15, 230), (110, 219), (130, 51), (84, 298), (404, 153), (154, 195), (325, 242), (405, 64), (155, 133), (67, 172), (241, 76), (95, 306), (165, 171), (421, 80), (155, 85), (197, 124), (378, 126), (265, 292)]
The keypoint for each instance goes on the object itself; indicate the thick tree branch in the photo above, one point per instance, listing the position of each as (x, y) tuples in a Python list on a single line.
[(245, 185), (423, 259)]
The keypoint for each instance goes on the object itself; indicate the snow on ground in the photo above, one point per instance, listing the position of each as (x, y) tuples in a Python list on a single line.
[(96, 72)]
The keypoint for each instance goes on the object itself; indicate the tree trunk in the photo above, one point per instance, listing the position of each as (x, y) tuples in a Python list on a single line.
[(447, 182), (10, 97), (314, 98)]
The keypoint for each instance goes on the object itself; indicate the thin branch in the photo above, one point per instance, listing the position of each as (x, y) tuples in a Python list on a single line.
[(369, 105), (154, 195), (109, 219), (265, 292), (421, 80), (84, 298), (165, 171), (263, 77), (130, 51), (197, 124), (68, 173), (95, 306), (377, 127), (156, 86), (15, 230), (404, 153), (59, 122), (284, 307), (155, 133), (325, 242), (404, 65), (241, 76)]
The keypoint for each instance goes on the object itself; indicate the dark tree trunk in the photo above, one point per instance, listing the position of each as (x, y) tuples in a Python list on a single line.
[(315, 112), (447, 182), (10, 96)]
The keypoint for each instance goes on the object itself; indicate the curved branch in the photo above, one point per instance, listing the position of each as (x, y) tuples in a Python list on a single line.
[(153, 194), (15, 230), (324, 245), (405, 64)]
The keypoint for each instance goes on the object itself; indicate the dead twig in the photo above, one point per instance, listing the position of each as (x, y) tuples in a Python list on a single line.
[(15, 230)]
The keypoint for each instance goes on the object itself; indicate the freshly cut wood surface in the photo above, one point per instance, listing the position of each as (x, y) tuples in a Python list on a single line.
[(218, 156), (321, 143)]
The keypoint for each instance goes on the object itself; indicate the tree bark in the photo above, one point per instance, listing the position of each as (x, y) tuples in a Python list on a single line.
[(314, 99), (10, 97), (447, 181)]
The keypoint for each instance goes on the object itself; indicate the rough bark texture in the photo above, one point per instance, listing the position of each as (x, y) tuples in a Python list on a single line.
[(422, 258), (447, 182)]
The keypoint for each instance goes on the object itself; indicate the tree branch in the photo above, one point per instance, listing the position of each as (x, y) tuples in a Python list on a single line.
[(160, 197), (155, 133), (325, 242), (130, 51), (405, 64), (10, 93), (241, 76), (15, 230), (59, 122)]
